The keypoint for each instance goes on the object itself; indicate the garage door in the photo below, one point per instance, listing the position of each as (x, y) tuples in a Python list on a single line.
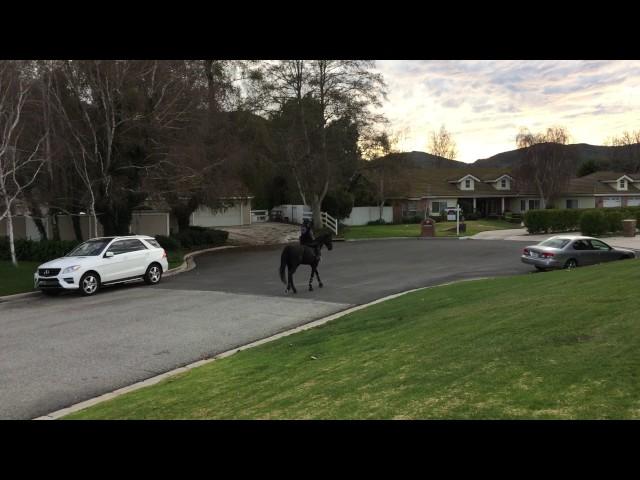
[(633, 202), (611, 202), (205, 217)]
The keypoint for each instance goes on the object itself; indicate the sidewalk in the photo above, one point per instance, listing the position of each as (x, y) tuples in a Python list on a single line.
[(521, 235)]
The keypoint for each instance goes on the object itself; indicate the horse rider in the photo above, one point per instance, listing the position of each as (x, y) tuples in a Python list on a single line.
[(306, 236)]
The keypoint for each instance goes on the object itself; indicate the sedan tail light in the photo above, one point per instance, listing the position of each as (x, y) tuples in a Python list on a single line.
[(525, 251), (164, 253)]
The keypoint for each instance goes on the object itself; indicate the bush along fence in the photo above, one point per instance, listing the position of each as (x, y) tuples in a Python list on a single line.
[(193, 238), (44, 250), (592, 221), (36, 251)]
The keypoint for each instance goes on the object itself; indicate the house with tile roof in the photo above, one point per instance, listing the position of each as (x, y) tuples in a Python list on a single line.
[(490, 192)]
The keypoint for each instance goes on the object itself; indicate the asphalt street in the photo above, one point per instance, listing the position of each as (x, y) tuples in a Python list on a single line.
[(55, 352)]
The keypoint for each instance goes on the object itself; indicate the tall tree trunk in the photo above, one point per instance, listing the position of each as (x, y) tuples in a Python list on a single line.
[(55, 228), (12, 246), (316, 208)]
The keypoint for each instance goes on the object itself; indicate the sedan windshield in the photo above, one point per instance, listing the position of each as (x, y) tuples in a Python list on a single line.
[(88, 249), (554, 242)]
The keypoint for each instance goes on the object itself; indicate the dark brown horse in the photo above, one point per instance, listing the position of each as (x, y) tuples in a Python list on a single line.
[(295, 255)]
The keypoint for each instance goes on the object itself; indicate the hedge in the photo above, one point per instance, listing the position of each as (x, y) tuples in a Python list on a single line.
[(594, 222), (564, 220), (36, 251), (45, 250), (193, 237)]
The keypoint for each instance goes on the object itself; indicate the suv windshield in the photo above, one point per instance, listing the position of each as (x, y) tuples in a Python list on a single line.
[(555, 242), (89, 249)]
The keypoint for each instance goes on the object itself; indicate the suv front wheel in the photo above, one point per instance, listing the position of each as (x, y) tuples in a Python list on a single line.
[(153, 275), (89, 283)]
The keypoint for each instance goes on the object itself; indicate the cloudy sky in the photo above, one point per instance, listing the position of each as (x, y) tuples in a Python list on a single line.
[(484, 103)]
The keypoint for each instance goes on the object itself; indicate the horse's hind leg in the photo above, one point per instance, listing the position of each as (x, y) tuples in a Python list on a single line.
[(311, 278), (317, 275)]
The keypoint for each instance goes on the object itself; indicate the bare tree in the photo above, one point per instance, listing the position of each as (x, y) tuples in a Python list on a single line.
[(546, 165), (115, 112), (443, 145), (19, 163), (626, 153)]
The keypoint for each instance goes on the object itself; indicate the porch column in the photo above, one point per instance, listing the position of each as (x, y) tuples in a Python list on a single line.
[(502, 212), (474, 204)]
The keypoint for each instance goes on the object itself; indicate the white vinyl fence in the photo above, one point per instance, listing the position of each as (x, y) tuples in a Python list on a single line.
[(364, 215)]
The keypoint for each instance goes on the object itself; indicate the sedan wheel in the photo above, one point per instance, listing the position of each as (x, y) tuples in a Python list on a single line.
[(571, 264), (153, 275), (89, 284)]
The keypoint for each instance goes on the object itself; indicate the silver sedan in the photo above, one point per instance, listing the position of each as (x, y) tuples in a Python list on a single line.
[(566, 251)]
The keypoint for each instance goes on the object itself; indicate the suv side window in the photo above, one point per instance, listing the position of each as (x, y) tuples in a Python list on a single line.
[(118, 247), (134, 245), (125, 246), (153, 243)]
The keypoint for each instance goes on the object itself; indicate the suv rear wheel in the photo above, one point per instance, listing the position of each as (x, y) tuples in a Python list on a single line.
[(153, 274)]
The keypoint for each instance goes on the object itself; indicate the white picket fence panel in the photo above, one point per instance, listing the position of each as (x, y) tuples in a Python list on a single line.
[(329, 222)]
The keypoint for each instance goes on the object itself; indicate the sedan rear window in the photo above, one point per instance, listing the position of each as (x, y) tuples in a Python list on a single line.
[(555, 242)]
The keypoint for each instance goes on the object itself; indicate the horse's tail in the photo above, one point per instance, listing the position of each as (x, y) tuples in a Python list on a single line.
[(283, 264)]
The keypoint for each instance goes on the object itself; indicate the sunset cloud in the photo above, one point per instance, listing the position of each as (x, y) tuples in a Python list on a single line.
[(485, 103)]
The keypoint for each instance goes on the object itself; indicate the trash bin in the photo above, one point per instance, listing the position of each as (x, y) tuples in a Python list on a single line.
[(428, 228), (629, 227)]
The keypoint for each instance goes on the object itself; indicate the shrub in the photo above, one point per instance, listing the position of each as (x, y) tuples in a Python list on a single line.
[(37, 251), (168, 243), (614, 220), (380, 221), (593, 222), (201, 237), (412, 219), (536, 221)]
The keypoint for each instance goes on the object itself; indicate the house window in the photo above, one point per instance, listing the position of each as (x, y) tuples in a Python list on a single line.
[(523, 205), (503, 183), (534, 204), (437, 207), (467, 183), (572, 203), (622, 184), (412, 208)]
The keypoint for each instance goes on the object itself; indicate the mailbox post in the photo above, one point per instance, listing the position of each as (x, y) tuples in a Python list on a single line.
[(427, 228)]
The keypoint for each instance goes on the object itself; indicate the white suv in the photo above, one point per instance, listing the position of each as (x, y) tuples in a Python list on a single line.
[(103, 261)]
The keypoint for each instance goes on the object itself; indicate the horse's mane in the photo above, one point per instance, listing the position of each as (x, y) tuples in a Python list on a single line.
[(320, 239)]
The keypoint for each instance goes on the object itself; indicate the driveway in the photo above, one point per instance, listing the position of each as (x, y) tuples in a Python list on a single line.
[(55, 352)]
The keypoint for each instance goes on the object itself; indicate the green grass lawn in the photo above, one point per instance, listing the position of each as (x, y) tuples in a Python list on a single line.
[(443, 229), (557, 345), (16, 280)]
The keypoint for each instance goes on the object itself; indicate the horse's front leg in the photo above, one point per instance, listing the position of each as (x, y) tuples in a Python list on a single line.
[(291, 285), (317, 275)]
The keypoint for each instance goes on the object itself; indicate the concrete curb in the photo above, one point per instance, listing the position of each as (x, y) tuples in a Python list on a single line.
[(18, 296), (158, 378), (189, 263)]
